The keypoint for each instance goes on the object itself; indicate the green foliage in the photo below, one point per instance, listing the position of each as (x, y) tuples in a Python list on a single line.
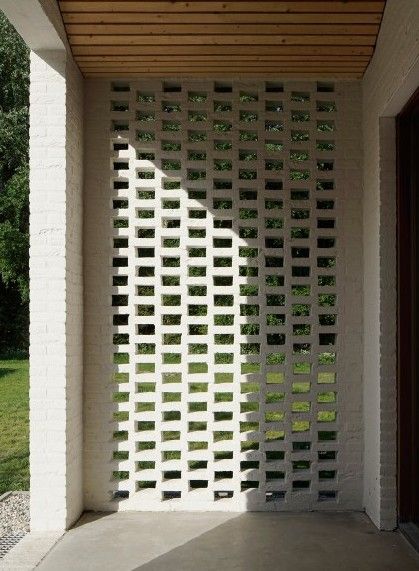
[(14, 232), (14, 68), (14, 425), (13, 141), (14, 189)]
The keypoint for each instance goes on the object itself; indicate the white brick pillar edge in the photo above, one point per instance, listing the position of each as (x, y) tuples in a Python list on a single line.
[(56, 336), (391, 79), (56, 265)]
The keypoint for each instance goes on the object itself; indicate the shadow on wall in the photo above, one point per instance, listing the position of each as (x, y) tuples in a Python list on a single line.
[(223, 294)]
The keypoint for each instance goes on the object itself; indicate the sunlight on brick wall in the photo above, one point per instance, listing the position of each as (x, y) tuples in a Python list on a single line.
[(235, 377)]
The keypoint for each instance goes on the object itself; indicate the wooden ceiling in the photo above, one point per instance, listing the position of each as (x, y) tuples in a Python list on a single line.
[(201, 38)]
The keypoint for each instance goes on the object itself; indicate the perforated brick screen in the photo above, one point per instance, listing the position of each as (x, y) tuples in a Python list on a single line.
[(228, 287)]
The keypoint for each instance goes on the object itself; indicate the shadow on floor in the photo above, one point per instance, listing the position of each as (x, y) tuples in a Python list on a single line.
[(91, 517), (230, 542)]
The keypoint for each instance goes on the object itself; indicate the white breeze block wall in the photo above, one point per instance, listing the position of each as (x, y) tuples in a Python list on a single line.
[(390, 80), (223, 296), (56, 329)]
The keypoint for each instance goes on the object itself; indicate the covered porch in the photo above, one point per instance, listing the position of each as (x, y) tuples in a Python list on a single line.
[(132, 541), (214, 277)]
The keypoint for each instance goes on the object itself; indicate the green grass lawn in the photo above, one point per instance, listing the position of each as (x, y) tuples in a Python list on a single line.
[(14, 425)]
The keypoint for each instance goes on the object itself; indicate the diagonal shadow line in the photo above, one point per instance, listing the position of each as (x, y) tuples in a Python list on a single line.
[(250, 542), (247, 542), (203, 552), (287, 542), (89, 517)]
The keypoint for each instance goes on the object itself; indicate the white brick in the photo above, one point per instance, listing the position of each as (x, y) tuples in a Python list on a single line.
[(56, 286), (388, 84)]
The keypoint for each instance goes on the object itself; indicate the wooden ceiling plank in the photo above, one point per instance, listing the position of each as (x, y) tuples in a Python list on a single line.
[(222, 40), (296, 6), (221, 29), (219, 58), (197, 38), (213, 72), (220, 50), (226, 63), (216, 69), (214, 18), (230, 75)]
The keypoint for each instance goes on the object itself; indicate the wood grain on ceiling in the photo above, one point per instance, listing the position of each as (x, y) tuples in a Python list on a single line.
[(200, 38)]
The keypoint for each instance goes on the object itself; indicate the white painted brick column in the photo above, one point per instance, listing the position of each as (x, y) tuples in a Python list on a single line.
[(389, 81), (56, 329)]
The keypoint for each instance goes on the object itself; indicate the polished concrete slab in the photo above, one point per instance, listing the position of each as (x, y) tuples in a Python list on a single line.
[(131, 541)]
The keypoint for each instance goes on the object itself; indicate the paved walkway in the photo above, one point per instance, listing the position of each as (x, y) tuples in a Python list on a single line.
[(229, 542)]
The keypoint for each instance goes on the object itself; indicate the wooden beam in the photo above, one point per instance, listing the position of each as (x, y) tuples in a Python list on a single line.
[(296, 6)]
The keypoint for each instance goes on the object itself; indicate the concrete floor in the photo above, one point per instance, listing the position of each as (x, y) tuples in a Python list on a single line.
[(131, 541)]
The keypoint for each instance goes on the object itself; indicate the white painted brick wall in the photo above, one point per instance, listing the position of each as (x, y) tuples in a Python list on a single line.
[(99, 426), (387, 85), (56, 334)]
